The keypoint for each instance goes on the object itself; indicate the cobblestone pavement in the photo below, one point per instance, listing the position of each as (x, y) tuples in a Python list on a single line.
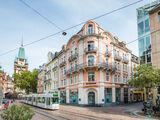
[(68, 112)]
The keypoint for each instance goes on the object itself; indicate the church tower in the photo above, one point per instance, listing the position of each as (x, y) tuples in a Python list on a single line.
[(20, 61)]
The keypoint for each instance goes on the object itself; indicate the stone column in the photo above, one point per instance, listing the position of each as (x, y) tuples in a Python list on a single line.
[(122, 94), (101, 89), (67, 95), (113, 93), (67, 92)]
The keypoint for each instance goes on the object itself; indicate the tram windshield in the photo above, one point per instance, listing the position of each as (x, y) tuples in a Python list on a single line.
[(54, 100)]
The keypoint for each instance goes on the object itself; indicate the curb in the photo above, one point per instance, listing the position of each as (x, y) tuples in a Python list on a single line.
[(140, 116)]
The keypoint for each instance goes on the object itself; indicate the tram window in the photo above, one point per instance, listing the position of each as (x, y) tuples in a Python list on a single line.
[(54, 100), (43, 100), (30, 99), (34, 99), (39, 99)]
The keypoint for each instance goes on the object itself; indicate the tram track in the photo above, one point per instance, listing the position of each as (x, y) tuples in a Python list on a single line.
[(47, 114), (83, 115), (64, 114)]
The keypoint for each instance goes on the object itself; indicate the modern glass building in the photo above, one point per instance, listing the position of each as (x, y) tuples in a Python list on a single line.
[(144, 38)]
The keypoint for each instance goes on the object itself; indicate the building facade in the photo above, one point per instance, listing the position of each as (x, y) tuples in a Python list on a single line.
[(6, 83), (155, 35), (41, 78), (52, 73), (20, 62), (94, 68), (144, 30)]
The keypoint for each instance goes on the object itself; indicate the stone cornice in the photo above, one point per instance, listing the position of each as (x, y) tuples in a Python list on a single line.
[(90, 35), (123, 48)]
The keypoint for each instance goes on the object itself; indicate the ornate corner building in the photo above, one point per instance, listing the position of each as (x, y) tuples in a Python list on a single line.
[(94, 68)]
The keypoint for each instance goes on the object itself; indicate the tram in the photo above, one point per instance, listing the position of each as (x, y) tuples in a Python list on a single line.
[(47, 101)]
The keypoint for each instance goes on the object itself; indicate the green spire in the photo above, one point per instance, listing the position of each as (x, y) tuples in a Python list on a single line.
[(21, 53)]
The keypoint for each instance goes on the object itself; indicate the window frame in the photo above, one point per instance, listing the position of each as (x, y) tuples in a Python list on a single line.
[(107, 77), (91, 76), (90, 29)]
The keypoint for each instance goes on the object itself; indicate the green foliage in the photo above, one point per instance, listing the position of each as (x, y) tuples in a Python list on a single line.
[(145, 76), (26, 80), (15, 112)]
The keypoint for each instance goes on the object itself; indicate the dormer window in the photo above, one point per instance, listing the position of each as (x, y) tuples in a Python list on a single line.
[(90, 29)]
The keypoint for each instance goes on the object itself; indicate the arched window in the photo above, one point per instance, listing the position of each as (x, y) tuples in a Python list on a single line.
[(90, 29)]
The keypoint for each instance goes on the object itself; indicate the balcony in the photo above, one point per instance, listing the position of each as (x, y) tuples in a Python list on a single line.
[(62, 63), (125, 60), (90, 50), (48, 71), (73, 57), (108, 53), (117, 57), (47, 80), (72, 70), (105, 66), (56, 66)]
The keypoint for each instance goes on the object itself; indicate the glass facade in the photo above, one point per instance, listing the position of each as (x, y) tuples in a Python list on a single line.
[(108, 95), (73, 96), (144, 40)]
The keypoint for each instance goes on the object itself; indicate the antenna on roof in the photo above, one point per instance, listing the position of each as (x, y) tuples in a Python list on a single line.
[(22, 41)]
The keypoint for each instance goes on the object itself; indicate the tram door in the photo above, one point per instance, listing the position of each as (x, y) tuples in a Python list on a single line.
[(48, 102), (91, 98)]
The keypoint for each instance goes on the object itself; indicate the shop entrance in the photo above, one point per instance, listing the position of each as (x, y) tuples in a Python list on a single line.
[(91, 98)]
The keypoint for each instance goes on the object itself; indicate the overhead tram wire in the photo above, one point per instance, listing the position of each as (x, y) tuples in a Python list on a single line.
[(115, 10), (42, 16)]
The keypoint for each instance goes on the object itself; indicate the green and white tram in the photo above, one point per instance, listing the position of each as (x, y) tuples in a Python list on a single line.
[(47, 101)]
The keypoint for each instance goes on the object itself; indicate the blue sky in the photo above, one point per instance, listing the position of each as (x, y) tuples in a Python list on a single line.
[(16, 20)]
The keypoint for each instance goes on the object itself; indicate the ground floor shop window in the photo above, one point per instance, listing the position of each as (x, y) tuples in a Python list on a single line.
[(108, 95), (125, 95), (118, 95), (63, 97), (73, 96)]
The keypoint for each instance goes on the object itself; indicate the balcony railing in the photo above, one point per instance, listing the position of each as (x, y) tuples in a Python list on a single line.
[(90, 50), (72, 57), (108, 53), (62, 63), (117, 57), (48, 71), (72, 70), (56, 66), (125, 60), (89, 65), (47, 80)]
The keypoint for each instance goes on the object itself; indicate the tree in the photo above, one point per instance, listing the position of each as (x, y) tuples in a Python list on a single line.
[(145, 77), (26, 80), (15, 112)]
